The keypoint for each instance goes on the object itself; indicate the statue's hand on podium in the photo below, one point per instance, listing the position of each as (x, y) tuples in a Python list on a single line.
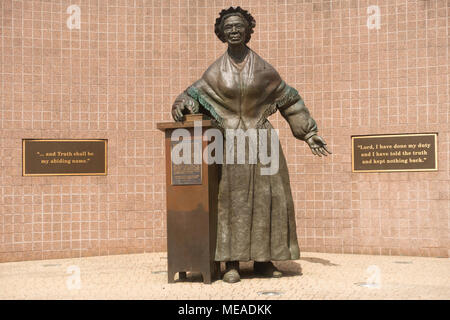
[(184, 105)]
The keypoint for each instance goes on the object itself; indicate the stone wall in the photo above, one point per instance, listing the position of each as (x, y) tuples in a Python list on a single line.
[(117, 75)]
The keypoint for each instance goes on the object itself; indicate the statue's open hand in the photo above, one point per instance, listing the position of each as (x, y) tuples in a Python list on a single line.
[(318, 146), (184, 105)]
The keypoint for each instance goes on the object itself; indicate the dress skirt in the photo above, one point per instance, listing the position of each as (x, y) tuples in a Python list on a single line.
[(256, 218)]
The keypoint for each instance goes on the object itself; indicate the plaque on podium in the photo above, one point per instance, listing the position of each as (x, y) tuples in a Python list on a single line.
[(191, 192)]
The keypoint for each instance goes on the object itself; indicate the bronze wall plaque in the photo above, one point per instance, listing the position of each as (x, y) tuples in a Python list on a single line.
[(47, 157), (186, 173), (395, 152)]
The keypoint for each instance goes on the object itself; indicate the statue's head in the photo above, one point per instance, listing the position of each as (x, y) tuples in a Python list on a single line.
[(234, 25)]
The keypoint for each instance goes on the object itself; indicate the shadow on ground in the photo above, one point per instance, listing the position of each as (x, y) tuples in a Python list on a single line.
[(288, 268), (321, 261)]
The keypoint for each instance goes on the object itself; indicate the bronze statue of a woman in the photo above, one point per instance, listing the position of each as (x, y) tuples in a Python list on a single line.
[(256, 218)]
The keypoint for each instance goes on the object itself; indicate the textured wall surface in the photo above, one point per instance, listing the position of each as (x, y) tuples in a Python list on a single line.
[(117, 76)]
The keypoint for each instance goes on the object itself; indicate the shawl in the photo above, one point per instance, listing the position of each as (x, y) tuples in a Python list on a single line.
[(242, 98)]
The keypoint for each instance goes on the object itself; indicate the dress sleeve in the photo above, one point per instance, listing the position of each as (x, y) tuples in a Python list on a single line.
[(293, 109)]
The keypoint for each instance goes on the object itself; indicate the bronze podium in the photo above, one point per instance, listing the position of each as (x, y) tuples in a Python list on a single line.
[(191, 191)]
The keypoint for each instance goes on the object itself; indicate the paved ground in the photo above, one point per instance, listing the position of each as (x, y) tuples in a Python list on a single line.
[(314, 276)]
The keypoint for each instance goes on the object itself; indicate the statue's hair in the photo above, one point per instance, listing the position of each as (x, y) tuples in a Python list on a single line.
[(238, 11)]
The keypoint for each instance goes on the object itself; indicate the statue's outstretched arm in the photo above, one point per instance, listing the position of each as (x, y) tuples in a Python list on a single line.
[(304, 127)]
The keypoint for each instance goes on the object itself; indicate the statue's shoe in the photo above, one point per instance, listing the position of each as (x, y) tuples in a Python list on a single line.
[(231, 276), (267, 269), (232, 272)]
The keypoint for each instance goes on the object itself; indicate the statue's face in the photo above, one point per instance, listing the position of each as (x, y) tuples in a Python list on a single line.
[(234, 29)]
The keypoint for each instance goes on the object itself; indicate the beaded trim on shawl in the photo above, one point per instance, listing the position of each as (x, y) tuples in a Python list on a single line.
[(195, 94), (289, 97)]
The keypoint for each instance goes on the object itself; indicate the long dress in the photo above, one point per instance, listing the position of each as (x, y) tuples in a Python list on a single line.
[(256, 217)]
